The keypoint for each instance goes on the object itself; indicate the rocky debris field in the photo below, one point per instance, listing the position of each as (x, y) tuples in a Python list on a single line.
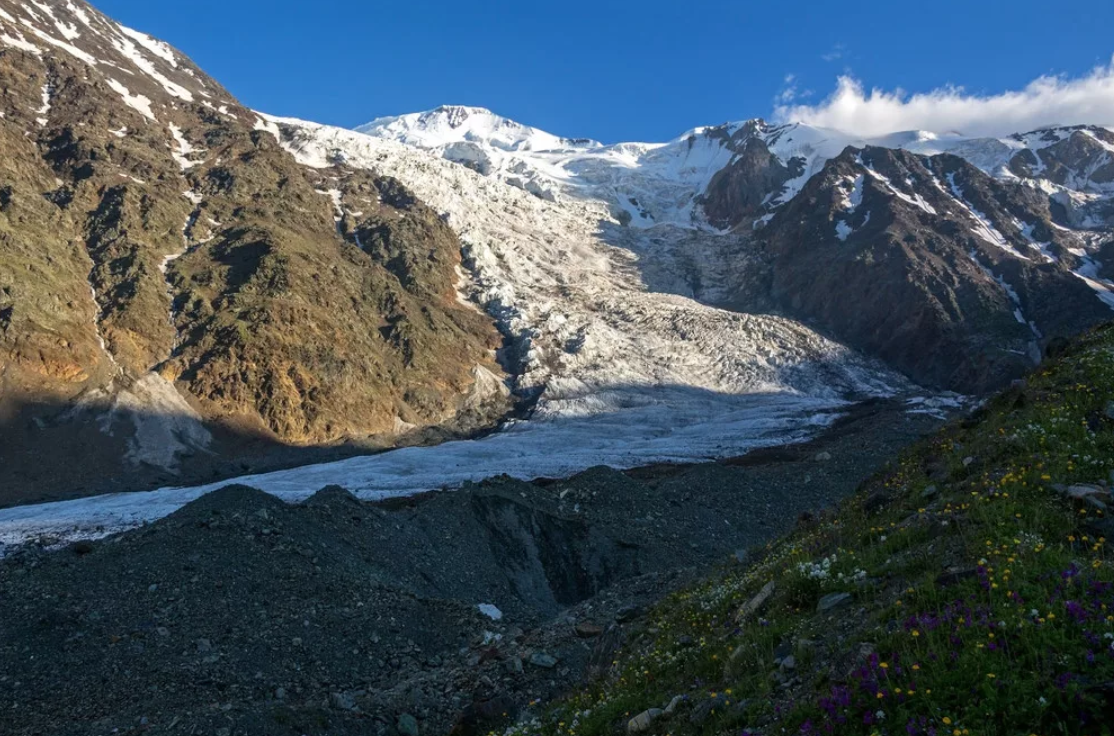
[(447, 612)]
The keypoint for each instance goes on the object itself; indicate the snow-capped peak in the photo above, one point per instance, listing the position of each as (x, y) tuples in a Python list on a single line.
[(453, 124)]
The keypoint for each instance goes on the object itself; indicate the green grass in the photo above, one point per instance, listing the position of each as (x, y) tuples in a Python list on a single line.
[(983, 599)]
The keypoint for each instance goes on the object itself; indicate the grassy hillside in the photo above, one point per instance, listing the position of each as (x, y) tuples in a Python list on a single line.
[(968, 590)]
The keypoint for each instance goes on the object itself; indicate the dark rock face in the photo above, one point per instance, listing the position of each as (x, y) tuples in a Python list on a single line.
[(925, 263), (740, 191), (148, 224)]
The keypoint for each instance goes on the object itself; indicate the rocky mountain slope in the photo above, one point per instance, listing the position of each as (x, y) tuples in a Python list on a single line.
[(945, 272), (168, 271)]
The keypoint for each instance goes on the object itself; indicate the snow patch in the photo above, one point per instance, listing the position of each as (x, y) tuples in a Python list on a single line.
[(1034, 345), (139, 103), (67, 47), (20, 43), (68, 30), (159, 48), (914, 199), (185, 149), (984, 228), (1088, 272), (130, 51)]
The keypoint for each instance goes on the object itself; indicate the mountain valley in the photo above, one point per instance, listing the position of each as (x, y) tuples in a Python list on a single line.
[(427, 425)]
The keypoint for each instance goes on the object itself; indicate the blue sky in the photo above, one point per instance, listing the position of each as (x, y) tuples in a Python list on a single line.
[(608, 69)]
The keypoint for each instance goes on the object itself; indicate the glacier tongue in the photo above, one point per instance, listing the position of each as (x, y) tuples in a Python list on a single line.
[(674, 425)]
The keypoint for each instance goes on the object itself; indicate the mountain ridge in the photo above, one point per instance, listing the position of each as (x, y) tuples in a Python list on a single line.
[(435, 129)]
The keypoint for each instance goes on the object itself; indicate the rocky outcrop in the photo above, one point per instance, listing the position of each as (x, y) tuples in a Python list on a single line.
[(741, 191)]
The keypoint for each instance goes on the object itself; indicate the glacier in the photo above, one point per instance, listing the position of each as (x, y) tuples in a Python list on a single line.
[(622, 374)]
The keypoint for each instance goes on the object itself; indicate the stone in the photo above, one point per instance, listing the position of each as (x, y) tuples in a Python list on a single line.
[(807, 645), (789, 663), (482, 715), (82, 547), (603, 652), (585, 630), (956, 575), (1109, 410), (674, 704), (757, 603), (1095, 496), (730, 669), (968, 462), (876, 501), (280, 693), (833, 601), (407, 725), (628, 614), (822, 457), (643, 720), (930, 493), (204, 645), (544, 660), (343, 701), (706, 708), (1088, 493)]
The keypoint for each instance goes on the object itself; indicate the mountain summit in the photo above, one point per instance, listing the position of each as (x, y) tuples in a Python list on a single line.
[(454, 124)]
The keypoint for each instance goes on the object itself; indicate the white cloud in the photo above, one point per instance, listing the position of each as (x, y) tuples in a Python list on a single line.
[(788, 92), (1045, 101), (791, 92), (835, 54)]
